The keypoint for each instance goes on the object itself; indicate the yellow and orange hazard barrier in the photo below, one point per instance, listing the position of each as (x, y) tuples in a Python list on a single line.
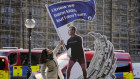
[(18, 70), (34, 68), (127, 75), (4, 74)]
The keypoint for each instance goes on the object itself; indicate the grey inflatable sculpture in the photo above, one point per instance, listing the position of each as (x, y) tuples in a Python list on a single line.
[(102, 65)]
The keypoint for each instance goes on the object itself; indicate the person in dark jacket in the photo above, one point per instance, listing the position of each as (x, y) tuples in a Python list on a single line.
[(77, 53)]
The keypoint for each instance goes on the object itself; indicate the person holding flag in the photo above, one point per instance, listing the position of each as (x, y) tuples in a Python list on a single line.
[(77, 53)]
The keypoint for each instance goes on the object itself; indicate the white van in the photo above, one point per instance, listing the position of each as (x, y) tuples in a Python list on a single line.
[(136, 70)]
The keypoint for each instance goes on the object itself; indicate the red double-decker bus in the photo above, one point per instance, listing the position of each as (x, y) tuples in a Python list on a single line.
[(124, 64), (18, 60)]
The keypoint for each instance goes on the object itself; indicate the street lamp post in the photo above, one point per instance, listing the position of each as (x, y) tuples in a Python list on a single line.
[(30, 24)]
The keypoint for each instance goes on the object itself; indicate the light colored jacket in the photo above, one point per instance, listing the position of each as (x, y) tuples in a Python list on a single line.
[(52, 74)]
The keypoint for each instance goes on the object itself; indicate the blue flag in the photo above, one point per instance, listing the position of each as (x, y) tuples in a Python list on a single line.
[(65, 12)]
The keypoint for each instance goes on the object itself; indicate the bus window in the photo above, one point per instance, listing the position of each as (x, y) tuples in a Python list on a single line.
[(34, 58), (2, 64), (12, 58), (123, 67), (24, 58), (64, 72), (88, 63)]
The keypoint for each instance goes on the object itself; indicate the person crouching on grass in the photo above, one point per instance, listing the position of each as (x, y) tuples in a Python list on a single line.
[(48, 60)]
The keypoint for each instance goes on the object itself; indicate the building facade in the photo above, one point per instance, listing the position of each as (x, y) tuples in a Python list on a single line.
[(119, 20)]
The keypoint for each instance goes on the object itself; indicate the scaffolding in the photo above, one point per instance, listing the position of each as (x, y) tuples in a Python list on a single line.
[(13, 32), (113, 18)]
